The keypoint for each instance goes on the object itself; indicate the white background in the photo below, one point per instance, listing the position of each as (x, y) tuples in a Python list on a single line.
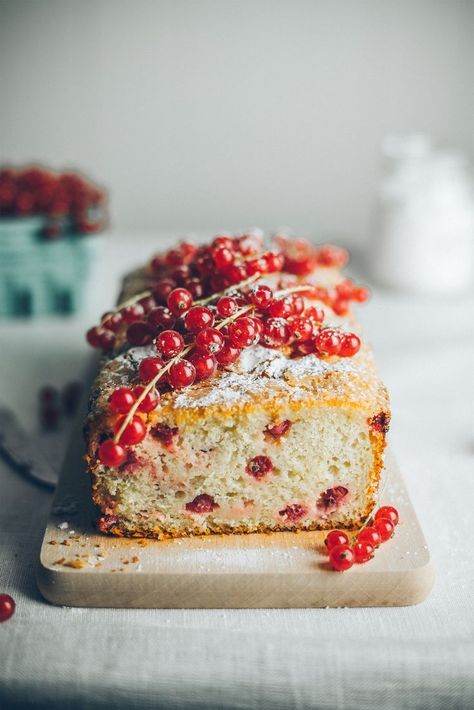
[(220, 114)]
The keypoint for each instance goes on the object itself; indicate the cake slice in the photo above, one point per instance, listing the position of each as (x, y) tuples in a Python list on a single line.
[(288, 436)]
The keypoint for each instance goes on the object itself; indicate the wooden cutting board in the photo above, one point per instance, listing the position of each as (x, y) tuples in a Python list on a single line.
[(80, 567)]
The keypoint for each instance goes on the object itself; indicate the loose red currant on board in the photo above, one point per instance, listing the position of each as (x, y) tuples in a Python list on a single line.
[(242, 332), (389, 513), (149, 367), (179, 301), (209, 341), (7, 607), (122, 400), (198, 318), (161, 317), (350, 345), (134, 432), (384, 528), (132, 313), (261, 296), (139, 333), (111, 454), (328, 341), (163, 289), (228, 354), (182, 374), (226, 306), (169, 343), (341, 557), (370, 535), (149, 402), (276, 332), (336, 537), (363, 552), (205, 365)]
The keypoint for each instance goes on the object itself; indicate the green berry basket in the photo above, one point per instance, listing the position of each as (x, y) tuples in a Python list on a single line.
[(40, 276)]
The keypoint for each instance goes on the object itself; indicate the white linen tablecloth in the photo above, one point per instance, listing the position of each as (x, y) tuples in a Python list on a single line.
[(414, 657)]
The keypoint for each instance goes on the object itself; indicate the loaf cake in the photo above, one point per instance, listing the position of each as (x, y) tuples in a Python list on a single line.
[(235, 395)]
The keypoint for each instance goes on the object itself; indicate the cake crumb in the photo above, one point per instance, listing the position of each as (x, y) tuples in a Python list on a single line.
[(63, 526), (61, 561), (75, 564)]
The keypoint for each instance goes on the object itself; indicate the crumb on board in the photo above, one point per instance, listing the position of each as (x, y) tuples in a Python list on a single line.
[(63, 526), (66, 543), (75, 564), (53, 542), (61, 561), (135, 559)]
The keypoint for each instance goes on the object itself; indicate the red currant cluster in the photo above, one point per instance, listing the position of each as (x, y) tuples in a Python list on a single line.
[(301, 257), (60, 197), (342, 556)]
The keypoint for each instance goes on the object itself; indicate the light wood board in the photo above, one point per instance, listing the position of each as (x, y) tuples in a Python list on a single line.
[(80, 567)]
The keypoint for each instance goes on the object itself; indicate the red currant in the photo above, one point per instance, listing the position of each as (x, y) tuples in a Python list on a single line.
[(370, 535), (205, 365), (195, 288), (259, 466), (223, 241), (139, 333), (107, 340), (360, 294), (133, 433), (202, 504), (236, 273), (363, 552), (242, 332), (278, 430), (280, 308), (350, 345), (298, 305), (181, 274), (93, 336), (301, 328), (330, 255), (226, 306), (301, 266), (261, 296), (169, 343), (257, 266), (316, 315), (7, 607), (344, 288), (276, 332), (198, 318), (209, 341), (389, 513), (161, 317), (341, 557), (223, 257), (149, 367), (336, 537), (112, 321), (340, 306), (328, 341), (174, 257), (179, 301), (147, 303), (122, 400), (182, 374), (274, 261), (228, 354), (258, 327), (163, 289), (149, 402), (111, 454), (384, 528), (132, 313)]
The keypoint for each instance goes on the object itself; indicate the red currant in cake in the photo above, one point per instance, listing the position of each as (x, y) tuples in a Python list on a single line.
[(205, 365), (209, 341), (122, 400), (350, 345), (261, 296), (278, 430), (242, 332), (139, 333), (328, 341), (111, 454), (301, 328), (259, 466), (164, 433), (169, 343), (389, 513), (228, 354), (198, 318), (163, 289), (341, 557), (132, 313), (363, 552), (371, 535), (226, 306), (293, 512), (161, 318), (7, 607), (276, 332), (182, 373), (149, 402), (202, 504), (179, 301), (149, 368), (336, 537), (133, 433), (384, 528), (223, 257)]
